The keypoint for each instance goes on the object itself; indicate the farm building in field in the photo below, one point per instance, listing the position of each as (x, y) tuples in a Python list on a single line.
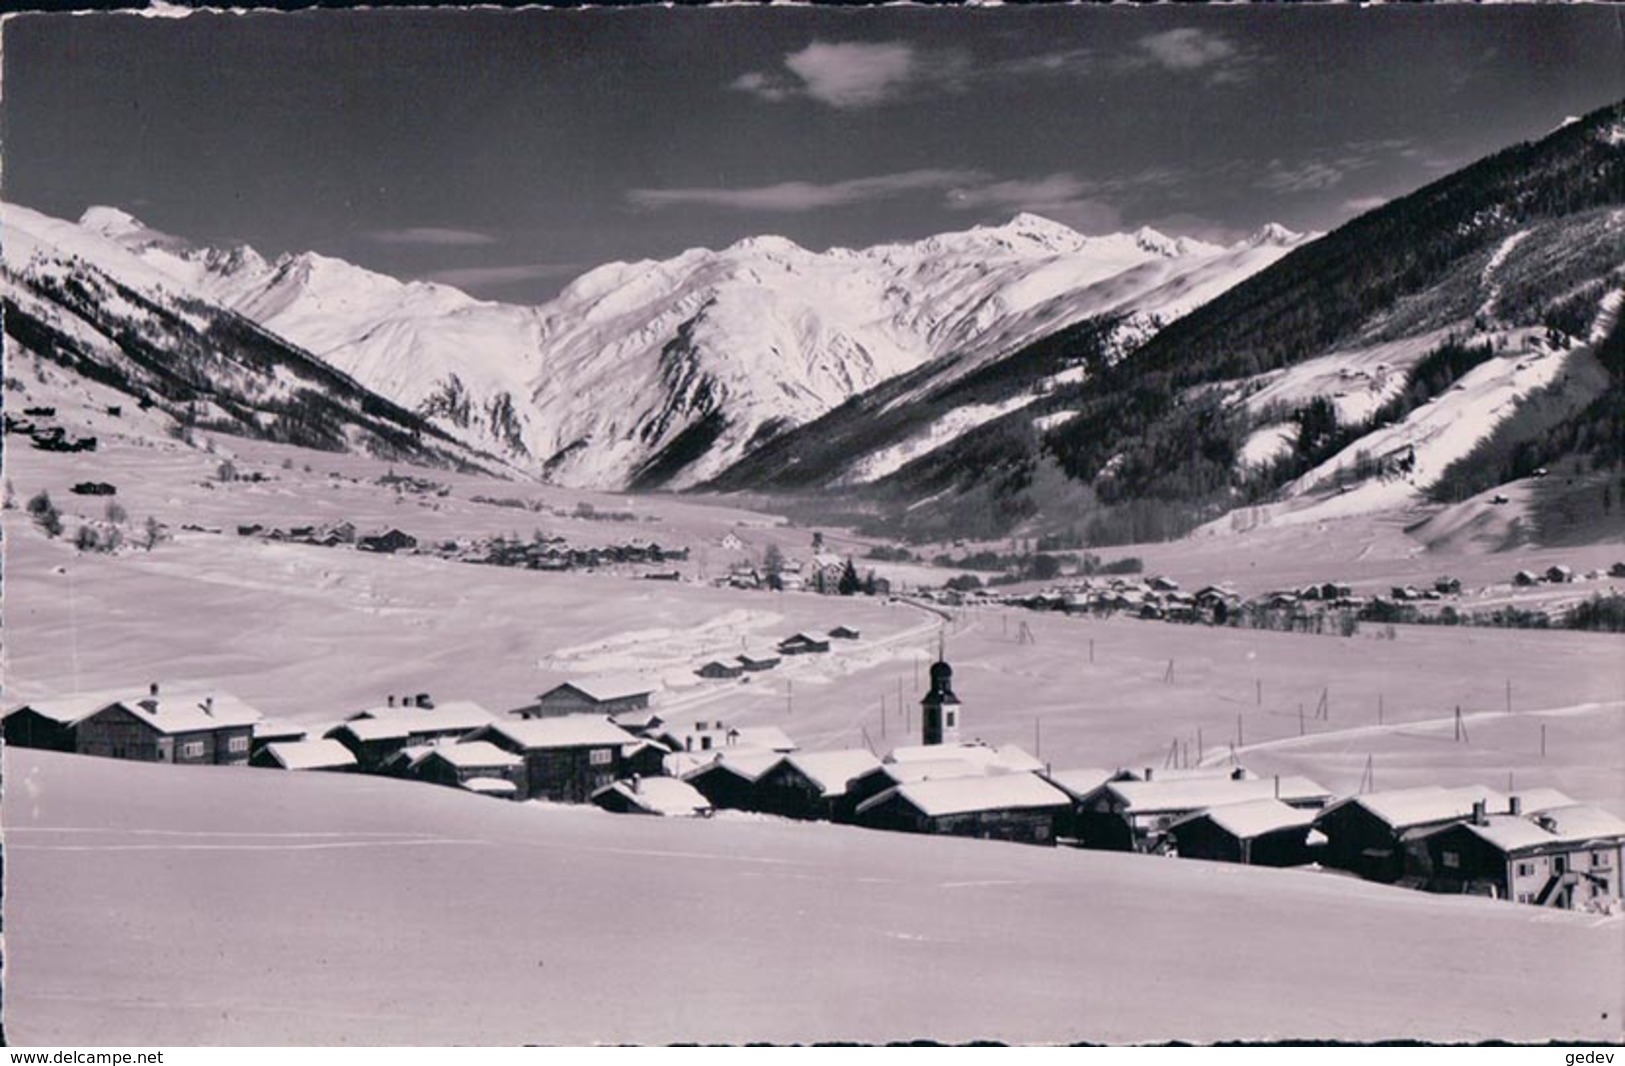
[(1260, 832), (1363, 833), (844, 633), (803, 644), (1559, 574), (566, 759), (1567, 855), (372, 741), (455, 765), (304, 755), (757, 663), (1136, 815), (387, 542), (1017, 807), (811, 785), (665, 796), (717, 670), (602, 695), (728, 781), (50, 724)]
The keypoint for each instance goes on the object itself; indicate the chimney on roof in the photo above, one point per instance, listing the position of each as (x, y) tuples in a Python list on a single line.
[(637, 784), (424, 701), (152, 689), (1277, 786), (1147, 776), (391, 701), (1515, 805), (208, 706), (1480, 812)]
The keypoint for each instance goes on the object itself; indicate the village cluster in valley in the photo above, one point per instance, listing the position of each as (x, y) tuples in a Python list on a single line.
[(602, 741)]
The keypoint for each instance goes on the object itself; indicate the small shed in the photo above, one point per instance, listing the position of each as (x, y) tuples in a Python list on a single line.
[(844, 633), (455, 765), (327, 755), (1559, 574), (717, 670), (664, 796), (803, 644), (728, 781), (387, 542), (756, 663), (598, 695)]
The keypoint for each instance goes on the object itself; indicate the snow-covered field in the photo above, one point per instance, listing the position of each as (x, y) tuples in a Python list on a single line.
[(216, 906), (194, 905)]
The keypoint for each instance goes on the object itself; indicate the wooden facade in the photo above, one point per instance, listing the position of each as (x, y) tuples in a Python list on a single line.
[(118, 732)]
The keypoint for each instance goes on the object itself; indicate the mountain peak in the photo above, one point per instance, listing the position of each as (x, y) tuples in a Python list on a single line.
[(111, 222), (1274, 234)]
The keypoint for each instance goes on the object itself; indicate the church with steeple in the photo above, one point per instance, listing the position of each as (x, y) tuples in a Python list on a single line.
[(939, 709)]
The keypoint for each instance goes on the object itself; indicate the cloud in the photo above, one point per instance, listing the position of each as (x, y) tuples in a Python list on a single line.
[(1308, 176), (1361, 204), (795, 196), (431, 235), (842, 75), (1055, 189), (1188, 48), (475, 277)]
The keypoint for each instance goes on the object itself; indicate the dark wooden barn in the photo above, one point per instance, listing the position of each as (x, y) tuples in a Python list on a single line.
[(1363, 833), (811, 785), (728, 781), (1263, 832), (599, 696), (566, 759)]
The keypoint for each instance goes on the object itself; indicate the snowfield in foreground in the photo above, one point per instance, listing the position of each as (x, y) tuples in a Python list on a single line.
[(228, 906)]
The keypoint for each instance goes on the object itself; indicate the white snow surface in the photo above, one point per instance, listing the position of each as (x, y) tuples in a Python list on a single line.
[(1251, 818), (938, 797), (1200, 793), (311, 754), (630, 356)]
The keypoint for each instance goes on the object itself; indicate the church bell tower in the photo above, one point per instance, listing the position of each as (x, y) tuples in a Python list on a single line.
[(939, 710)]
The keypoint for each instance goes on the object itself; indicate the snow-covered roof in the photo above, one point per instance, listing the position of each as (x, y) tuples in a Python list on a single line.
[(455, 714), (1080, 782), (182, 712), (1572, 824), (475, 753), (749, 763), (310, 754), (668, 796), (365, 729), (70, 709), (601, 689), (831, 770), (769, 737), (567, 731), (276, 727), (1251, 818), (1003, 757), (491, 786), (963, 795), (932, 769), (1400, 808), (1142, 797)]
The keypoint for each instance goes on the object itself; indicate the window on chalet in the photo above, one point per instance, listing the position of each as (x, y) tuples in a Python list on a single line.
[(237, 744), (1599, 858), (1451, 859), (192, 749), (600, 757), (1526, 869)]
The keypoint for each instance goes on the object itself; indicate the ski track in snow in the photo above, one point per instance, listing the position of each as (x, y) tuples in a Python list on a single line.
[(1493, 287)]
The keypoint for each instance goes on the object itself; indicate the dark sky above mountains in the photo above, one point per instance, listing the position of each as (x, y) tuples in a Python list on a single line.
[(508, 151)]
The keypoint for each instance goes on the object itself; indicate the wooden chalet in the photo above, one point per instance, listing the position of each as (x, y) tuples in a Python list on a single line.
[(326, 755), (728, 781), (456, 765), (387, 542), (717, 670), (1363, 833), (811, 785), (757, 663), (1566, 855), (566, 759), (803, 644), (601, 696), (1016, 807), (1260, 832), (372, 741), (189, 726), (844, 633), (664, 796), (709, 735), (1136, 815)]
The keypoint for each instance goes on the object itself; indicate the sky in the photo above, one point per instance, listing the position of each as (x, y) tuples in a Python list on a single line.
[(507, 152)]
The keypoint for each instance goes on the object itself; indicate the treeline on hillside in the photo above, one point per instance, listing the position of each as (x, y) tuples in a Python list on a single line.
[(1580, 415), (1135, 425)]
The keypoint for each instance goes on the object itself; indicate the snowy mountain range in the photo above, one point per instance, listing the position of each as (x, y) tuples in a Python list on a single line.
[(664, 374)]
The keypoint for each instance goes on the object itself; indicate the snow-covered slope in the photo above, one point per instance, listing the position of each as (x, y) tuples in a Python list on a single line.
[(665, 373)]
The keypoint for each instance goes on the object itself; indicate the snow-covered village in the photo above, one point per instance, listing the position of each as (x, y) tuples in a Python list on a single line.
[(745, 543)]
